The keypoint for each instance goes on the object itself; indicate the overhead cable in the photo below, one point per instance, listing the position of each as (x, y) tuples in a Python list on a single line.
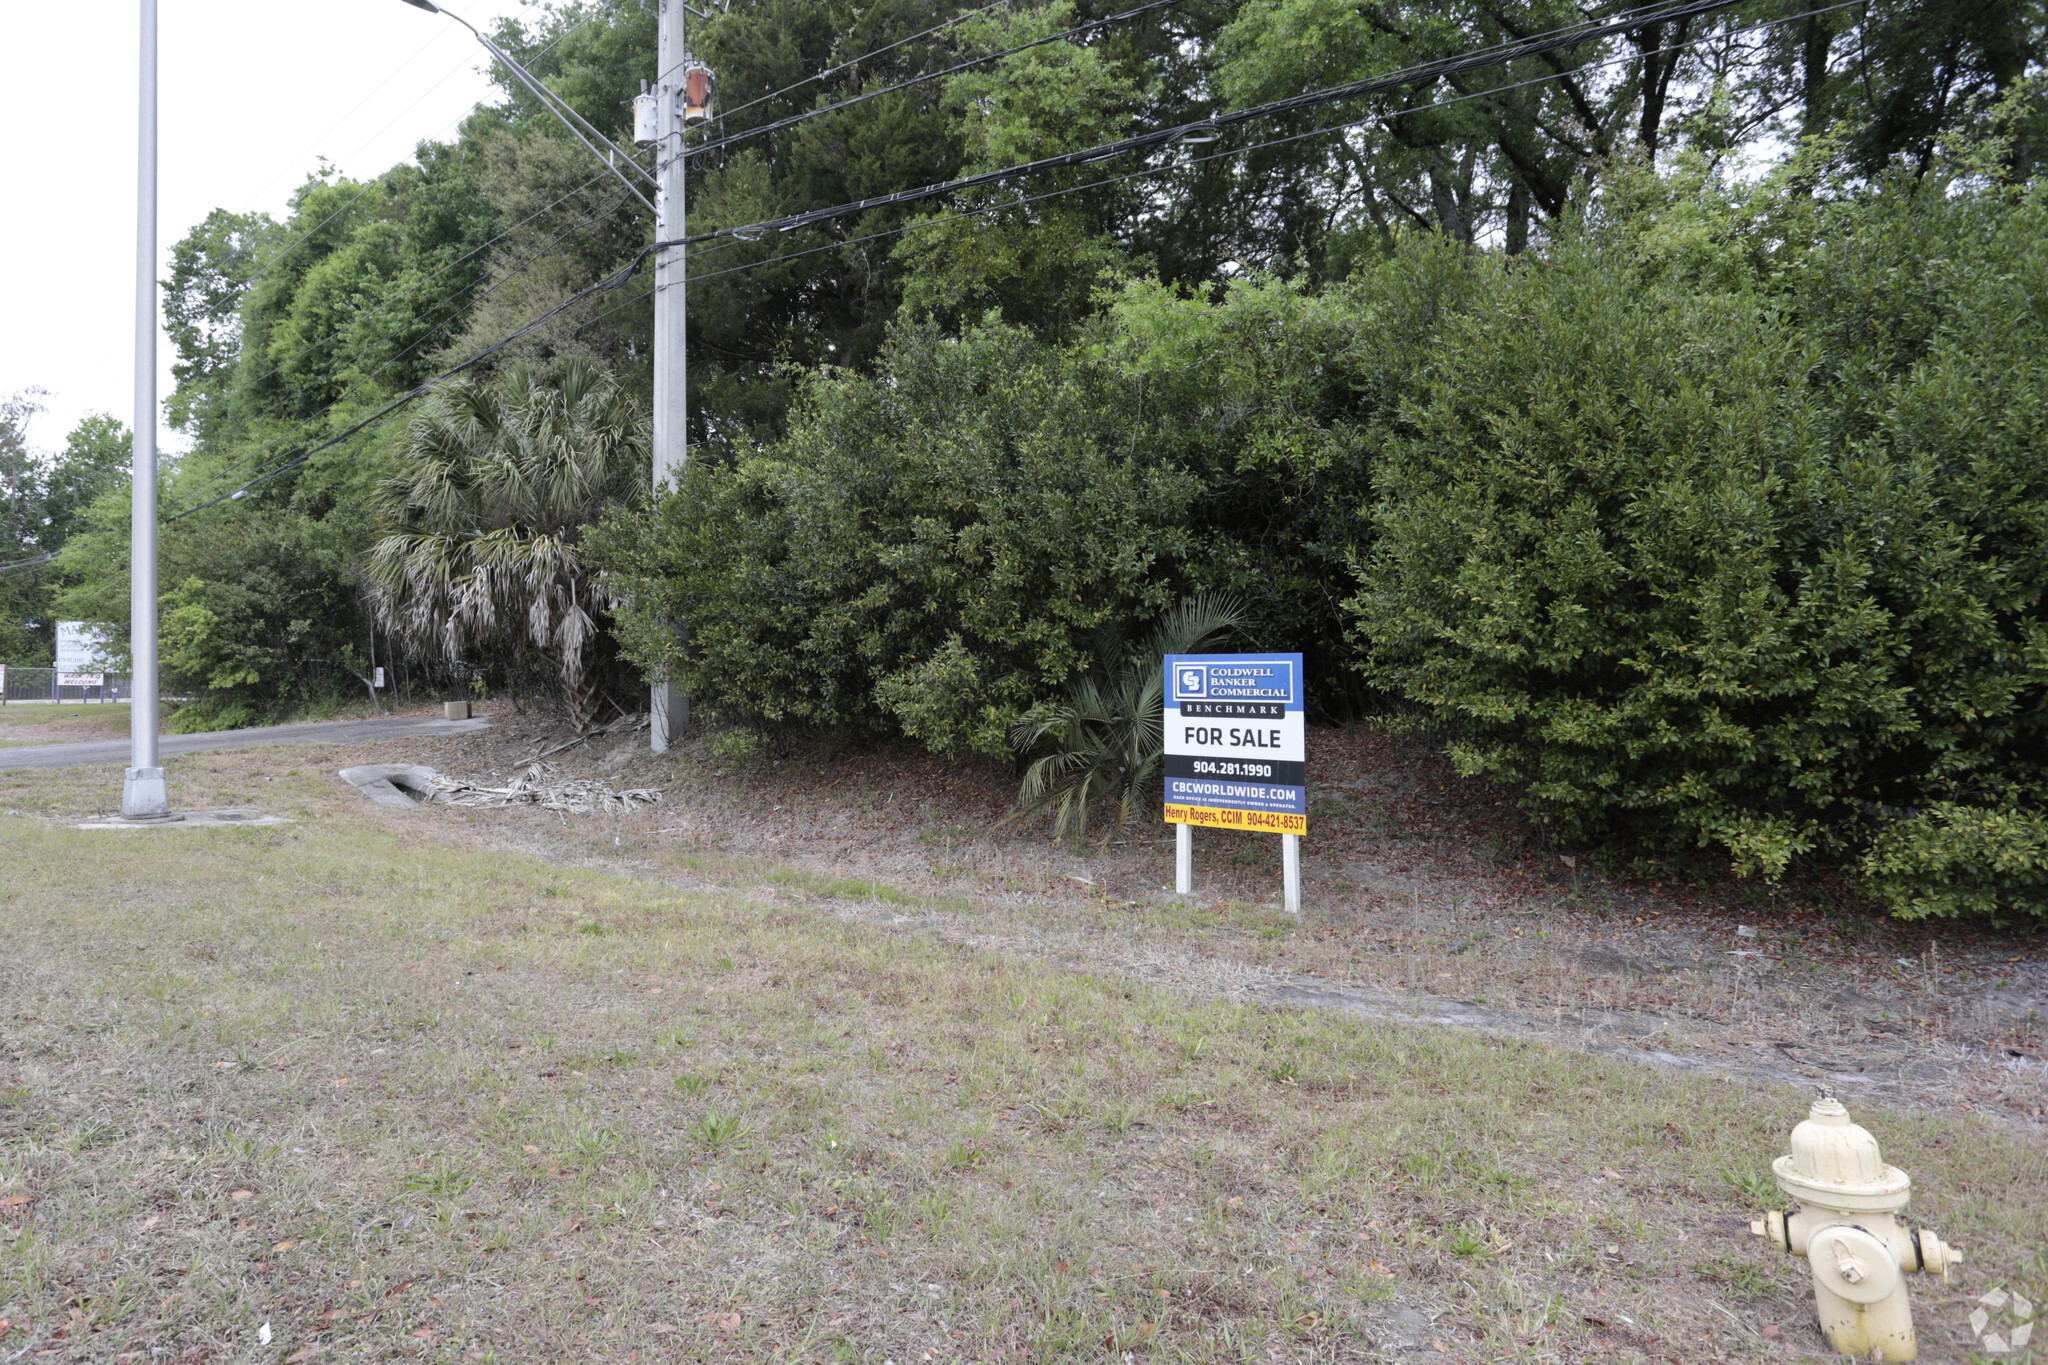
[(578, 125), (374, 181), (957, 67), (532, 258), (1228, 153), (864, 57), (623, 277), (24, 565), (1573, 36)]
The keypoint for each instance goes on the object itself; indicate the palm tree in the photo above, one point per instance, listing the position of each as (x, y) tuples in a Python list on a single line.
[(484, 517), (1106, 738)]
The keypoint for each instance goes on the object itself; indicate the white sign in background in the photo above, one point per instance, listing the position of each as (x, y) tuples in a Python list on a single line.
[(80, 648)]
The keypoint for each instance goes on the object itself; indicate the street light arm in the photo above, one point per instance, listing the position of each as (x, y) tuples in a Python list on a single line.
[(554, 104)]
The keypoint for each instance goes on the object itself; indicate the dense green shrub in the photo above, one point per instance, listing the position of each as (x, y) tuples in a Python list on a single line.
[(1271, 394), (1725, 524), (928, 551), (258, 615)]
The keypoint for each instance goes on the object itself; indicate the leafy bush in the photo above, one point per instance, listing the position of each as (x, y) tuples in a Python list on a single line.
[(1724, 525), (929, 551), (1271, 393), (257, 609)]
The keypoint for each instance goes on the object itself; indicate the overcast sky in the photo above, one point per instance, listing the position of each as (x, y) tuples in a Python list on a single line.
[(253, 94)]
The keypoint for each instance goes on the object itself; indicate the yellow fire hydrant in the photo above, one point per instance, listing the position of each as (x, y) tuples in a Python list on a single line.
[(1845, 1228)]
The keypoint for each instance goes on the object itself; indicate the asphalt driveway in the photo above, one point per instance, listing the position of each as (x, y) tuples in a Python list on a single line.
[(115, 751)]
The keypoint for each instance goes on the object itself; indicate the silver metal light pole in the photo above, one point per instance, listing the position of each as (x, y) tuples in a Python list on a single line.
[(669, 709), (143, 794)]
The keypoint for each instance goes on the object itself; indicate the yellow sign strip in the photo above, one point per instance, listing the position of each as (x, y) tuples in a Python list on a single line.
[(1256, 821)]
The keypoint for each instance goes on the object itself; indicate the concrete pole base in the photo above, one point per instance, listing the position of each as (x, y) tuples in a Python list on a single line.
[(144, 795)]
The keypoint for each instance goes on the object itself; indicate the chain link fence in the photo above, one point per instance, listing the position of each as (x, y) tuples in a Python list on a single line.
[(44, 684)]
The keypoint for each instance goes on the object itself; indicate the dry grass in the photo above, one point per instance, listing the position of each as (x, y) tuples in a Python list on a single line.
[(392, 1096), (57, 723)]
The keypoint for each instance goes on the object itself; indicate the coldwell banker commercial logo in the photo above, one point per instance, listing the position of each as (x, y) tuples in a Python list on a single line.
[(1240, 680)]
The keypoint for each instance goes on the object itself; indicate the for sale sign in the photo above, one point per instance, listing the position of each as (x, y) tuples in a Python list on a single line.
[(1236, 742)]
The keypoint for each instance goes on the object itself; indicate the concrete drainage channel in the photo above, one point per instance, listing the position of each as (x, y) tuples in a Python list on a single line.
[(401, 785)]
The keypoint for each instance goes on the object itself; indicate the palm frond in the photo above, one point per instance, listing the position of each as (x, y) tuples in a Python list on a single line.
[(1101, 744), (483, 516)]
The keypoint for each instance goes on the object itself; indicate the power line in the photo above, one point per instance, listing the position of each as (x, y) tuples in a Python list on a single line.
[(331, 128), (578, 125), (24, 565), (396, 299), (866, 56), (1572, 36), (230, 475), (1219, 156), (861, 98), (623, 277), (425, 386), (374, 181)]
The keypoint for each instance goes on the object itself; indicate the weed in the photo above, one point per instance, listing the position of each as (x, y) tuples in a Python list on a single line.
[(934, 1210), (730, 746), (1757, 1191), (594, 930), (1465, 1245), (693, 1086), (447, 1182), (592, 1146), (717, 1131), (1119, 1119), (962, 1157), (94, 1135), (1060, 1115), (1745, 1279), (881, 1221), (1137, 1337)]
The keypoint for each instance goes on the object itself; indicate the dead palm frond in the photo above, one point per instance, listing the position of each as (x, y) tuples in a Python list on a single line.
[(1105, 738), (484, 517)]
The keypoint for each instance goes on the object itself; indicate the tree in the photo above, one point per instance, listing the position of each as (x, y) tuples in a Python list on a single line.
[(23, 487), (96, 460), (484, 518)]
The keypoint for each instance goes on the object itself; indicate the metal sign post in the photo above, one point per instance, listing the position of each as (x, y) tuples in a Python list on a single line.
[(1237, 755)]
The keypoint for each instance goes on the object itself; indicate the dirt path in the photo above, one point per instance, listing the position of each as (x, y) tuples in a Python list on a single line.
[(1429, 901)]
